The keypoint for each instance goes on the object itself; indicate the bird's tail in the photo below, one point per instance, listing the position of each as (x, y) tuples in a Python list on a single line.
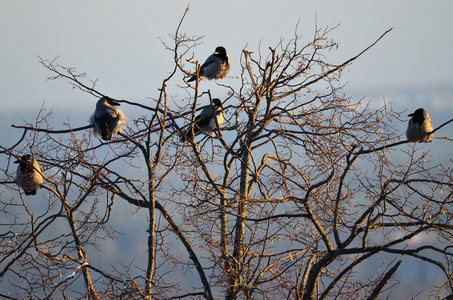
[(187, 135), (183, 137), (106, 134)]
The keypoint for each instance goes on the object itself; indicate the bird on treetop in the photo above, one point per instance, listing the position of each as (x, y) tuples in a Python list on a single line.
[(216, 66), (208, 121), (28, 175), (108, 120), (419, 128)]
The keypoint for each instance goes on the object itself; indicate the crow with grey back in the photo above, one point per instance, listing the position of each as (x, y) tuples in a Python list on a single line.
[(108, 120), (419, 128), (216, 66), (208, 121), (28, 175)]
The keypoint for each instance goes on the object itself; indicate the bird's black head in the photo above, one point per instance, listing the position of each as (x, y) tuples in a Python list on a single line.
[(25, 160), (418, 114), (111, 101), (220, 51), (217, 102)]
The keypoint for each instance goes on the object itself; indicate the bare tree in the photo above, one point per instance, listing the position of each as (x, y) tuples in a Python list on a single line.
[(286, 201)]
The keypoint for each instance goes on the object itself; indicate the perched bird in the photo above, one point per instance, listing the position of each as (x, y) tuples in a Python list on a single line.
[(419, 128), (216, 66), (107, 119), (28, 175), (208, 121)]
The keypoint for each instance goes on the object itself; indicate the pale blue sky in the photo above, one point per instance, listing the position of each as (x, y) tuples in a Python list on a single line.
[(117, 42)]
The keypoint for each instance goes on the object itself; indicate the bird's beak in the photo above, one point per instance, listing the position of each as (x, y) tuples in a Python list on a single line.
[(410, 115), (17, 162)]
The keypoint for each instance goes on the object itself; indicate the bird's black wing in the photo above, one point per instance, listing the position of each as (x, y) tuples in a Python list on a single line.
[(201, 121), (212, 59)]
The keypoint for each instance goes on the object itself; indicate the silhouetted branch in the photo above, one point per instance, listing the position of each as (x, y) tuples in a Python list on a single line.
[(383, 282)]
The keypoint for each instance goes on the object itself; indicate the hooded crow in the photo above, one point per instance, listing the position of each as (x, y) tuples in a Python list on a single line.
[(419, 128), (28, 175), (208, 121), (107, 119), (216, 66)]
